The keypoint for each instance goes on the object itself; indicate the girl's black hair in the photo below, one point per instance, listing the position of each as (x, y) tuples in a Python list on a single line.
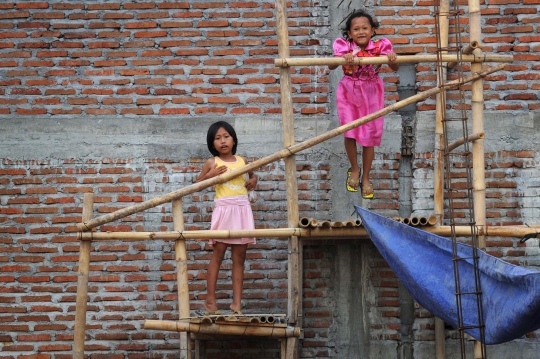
[(358, 13), (211, 135)]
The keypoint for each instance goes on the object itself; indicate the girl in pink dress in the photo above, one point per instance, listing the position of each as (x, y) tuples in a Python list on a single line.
[(359, 93), (232, 211)]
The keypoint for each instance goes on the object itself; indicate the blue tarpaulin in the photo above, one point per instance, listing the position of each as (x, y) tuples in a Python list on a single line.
[(423, 262)]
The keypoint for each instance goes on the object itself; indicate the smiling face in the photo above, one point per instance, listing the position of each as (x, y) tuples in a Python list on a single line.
[(223, 142), (361, 31)]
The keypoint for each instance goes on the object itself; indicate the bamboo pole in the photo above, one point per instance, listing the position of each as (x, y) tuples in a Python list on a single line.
[(322, 231), (438, 196), (180, 256), (82, 283), (244, 329), (477, 108), (127, 211), (470, 138), (466, 51), (294, 301), (402, 59)]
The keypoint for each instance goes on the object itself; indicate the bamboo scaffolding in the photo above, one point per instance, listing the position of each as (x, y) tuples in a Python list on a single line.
[(127, 211), (242, 329), (470, 138), (325, 232), (325, 61), (82, 283), (180, 256)]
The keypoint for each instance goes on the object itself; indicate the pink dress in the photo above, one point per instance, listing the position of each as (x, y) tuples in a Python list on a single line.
[(361, 91), (232, 209)]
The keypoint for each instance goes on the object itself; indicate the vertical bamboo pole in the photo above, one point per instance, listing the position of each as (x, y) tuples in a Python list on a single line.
[(477, 107), (82, 283), (180, 255), (294, 278), (438, 196)]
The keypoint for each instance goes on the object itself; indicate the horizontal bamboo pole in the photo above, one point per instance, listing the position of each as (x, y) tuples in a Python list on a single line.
[(156, 201), (470, 138), (284, 233), (403, 59), (245, 329)]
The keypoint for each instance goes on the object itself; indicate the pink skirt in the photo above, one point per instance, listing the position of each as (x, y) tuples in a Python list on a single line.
[(357, 98), (232, 213)]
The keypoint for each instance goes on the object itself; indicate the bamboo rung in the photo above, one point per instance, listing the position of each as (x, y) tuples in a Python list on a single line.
[(226, 328)]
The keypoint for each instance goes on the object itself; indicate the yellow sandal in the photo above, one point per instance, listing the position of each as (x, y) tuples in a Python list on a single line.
[(352, 185), (368, 192)]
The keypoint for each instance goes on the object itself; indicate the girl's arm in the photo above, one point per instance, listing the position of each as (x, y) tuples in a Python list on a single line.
[(341, 49), (210, 169), (251, 183), (391, 58)]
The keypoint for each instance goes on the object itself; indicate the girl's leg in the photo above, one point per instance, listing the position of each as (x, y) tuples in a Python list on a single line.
[(350, 148), (368, 154), (238, 255), (212, 275)]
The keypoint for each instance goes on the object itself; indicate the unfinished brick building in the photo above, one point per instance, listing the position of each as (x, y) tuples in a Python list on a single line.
[(115, 98)]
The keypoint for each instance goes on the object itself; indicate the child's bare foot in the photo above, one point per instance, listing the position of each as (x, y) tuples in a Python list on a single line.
[(210, 307)]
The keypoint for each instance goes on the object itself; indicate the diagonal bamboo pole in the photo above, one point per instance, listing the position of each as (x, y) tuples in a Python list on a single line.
[(127, 211)]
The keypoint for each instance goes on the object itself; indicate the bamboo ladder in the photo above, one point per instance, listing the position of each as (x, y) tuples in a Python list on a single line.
[(289, 347)]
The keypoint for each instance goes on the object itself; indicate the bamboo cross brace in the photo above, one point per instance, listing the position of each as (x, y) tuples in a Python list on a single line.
[(404, 59), (291, 150)]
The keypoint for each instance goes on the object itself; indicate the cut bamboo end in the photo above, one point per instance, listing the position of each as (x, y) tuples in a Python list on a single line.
[(432, 220), (415, 221), (406, 221), (337, 224), (358, 222), (304, 222), (314, 223), (349, 223), (326, 224), (423, 221)]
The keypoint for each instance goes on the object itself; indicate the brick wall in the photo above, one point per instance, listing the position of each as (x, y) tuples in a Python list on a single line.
[(133, 281), (180, 58), (196, 59)]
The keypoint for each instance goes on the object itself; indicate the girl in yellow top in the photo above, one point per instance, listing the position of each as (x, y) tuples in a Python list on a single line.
[(232, 211)]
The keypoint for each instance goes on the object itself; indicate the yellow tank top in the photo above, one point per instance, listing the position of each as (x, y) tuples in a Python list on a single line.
[(235, 186)]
